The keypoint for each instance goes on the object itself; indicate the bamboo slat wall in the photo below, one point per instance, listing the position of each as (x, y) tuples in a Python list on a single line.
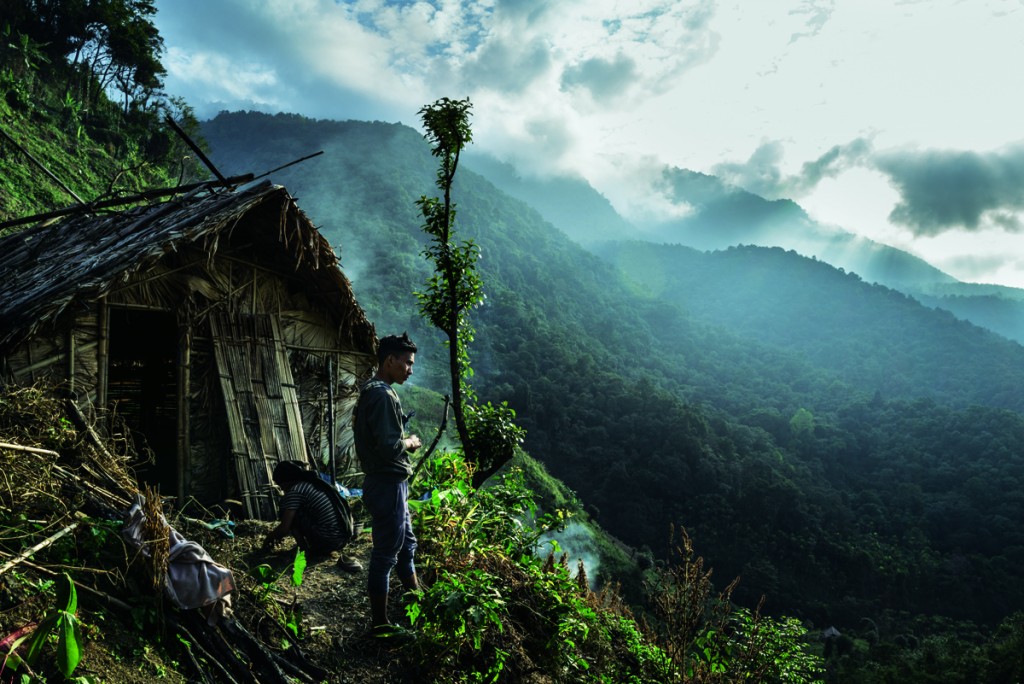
[(261, 403)]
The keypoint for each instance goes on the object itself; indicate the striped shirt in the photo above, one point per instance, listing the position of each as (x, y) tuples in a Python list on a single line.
[(315, 516)]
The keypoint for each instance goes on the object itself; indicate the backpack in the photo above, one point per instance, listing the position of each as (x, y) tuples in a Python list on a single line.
[(338, 503), (343, 510)]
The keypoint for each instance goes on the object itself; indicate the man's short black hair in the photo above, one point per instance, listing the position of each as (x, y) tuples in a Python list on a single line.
[(393, 344)]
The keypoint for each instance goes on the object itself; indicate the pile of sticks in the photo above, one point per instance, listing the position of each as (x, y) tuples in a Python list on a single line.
[(222, 653)]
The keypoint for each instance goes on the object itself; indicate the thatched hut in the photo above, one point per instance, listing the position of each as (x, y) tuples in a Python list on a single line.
[(214, 326)]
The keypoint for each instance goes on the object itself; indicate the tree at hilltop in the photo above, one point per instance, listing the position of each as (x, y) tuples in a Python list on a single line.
[(488, 433)]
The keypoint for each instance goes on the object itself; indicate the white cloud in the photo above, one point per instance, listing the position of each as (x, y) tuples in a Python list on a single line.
[(257, 83), (771, 94)]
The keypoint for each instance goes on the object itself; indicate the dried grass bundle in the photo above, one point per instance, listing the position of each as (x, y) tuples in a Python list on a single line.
[(33, 416), (156, 535), (111, 456)]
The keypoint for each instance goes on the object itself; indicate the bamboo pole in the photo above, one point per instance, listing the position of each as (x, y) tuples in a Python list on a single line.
[(102, 351), (28, 353), (24, 555), (71, 358), (291, 163), (49, 361), (32, 450), (330, 420), (142, 196), (184, 388)]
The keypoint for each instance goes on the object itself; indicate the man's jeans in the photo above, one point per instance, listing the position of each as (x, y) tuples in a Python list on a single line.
[(394, 544)]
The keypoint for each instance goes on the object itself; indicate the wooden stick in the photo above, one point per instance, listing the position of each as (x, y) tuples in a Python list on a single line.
[(38, 547), (184, 449), (291, 163), (293, 653), (102, 350), (131, 199), (257, 652), (31, 450), (221, 671), (111, 497), (70, 357), (78, 418), (195, 148)]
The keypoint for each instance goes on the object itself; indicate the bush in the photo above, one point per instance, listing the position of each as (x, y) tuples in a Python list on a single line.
[(493, 610)]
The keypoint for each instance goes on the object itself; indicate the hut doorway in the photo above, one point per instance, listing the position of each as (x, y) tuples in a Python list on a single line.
[(143, 388)]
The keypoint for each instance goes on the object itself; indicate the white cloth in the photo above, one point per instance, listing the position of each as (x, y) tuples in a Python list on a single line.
[(194, 579)]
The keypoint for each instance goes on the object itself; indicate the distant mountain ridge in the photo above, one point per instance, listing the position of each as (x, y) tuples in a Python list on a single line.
[(833, 319), (725, 216), (570, 204)]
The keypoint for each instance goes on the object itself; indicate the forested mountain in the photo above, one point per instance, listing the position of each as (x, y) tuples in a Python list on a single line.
[(722, 216), (872, 337), (845, 484)]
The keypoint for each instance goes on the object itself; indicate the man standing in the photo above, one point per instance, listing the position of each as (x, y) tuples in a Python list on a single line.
[(383, 450)]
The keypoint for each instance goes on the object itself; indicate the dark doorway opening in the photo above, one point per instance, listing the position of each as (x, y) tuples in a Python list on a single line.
[(142, 390)]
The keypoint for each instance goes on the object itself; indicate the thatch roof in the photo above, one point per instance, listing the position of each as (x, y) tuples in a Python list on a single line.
[(53, 271)]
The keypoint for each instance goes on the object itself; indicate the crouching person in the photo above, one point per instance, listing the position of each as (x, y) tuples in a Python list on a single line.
[(313, 512)]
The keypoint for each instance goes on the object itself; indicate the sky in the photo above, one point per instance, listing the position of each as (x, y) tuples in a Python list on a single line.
[(898, 120)]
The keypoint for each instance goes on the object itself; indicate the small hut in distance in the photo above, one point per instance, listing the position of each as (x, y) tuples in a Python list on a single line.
[(218, 326)]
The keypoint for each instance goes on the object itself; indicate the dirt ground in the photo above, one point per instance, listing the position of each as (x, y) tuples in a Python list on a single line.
[(333, 603)]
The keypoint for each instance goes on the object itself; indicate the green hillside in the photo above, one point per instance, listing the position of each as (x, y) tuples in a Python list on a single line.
[(873, 338), (64, 140), (809, 476)]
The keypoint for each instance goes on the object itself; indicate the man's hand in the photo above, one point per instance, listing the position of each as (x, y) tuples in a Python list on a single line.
[(412, 443)]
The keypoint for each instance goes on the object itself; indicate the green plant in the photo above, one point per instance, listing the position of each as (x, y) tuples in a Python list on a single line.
[(457, 616), (494, 433), (493, 608), (290, 616), (293, 613), (62, 622), (769, 649), (458, 518), (708, 639), (72, 109)]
